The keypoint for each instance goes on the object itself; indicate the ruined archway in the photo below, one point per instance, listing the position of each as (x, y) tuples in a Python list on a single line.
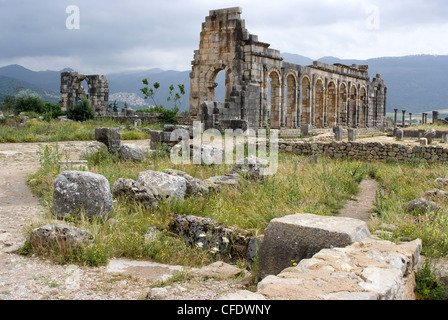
[(72, 91), (362, 106), (319, 104), (332, 109), (343, 98), (306, 100), (275, 99), (291, 101), (353, 107)]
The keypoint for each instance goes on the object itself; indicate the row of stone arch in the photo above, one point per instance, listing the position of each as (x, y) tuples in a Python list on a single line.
[(322, 103)]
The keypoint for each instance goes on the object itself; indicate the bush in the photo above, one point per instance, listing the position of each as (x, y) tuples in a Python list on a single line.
[(51, 111), (82, 111), (27, 100)]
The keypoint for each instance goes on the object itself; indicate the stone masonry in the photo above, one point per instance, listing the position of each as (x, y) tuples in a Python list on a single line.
[(261, 89), (72, 91)]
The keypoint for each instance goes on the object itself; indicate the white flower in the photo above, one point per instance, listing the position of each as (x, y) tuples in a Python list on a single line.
[(214, 250), (202, 235), (199, 245), (225, 240)]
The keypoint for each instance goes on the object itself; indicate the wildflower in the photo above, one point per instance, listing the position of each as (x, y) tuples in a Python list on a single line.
[(214, 250), (199, 245), (225, 240), (202, 235)]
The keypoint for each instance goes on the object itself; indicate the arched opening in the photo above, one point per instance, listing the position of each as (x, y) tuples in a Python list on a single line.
[(291, 102), (319, 96), (220, 87), (332, 112), (343, 97), (306, 101), (275, 98), (362, 106), (353, 106)]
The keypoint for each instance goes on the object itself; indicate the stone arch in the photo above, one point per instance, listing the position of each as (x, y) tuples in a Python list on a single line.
[(332, 109), (353, 107), (306, 99), (291, 100), (343, 98), (211, 83), (274, 92), (319, 92)]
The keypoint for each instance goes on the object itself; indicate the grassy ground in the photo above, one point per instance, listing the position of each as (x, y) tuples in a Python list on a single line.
[(13, 130), (298, 187)]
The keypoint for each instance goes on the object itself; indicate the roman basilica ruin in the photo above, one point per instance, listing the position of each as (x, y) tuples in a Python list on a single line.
[(262, 89)]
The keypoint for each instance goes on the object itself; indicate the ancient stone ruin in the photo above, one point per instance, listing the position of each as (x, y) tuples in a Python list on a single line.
[(261, 88), (72, 91)]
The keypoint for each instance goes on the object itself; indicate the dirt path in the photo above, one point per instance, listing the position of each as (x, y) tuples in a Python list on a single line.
[(361, 207), (32, 278)]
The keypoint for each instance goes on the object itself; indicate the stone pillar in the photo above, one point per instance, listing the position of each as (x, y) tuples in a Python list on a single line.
[(399, 134), (435, 117), (410, 119), (338, 133), (351, 135), (404, 113), (423, 119), (395, 117), (305, 129)]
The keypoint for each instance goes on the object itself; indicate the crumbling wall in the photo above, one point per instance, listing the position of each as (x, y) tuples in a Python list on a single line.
[(72, 91), (264, 90)]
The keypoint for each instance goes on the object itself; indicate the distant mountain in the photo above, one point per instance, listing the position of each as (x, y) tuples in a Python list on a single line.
[(11, 86), (415, 83)]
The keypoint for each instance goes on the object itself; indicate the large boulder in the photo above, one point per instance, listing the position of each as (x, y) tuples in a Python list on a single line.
[(60, 237), (194, 185), (170, 187), (147, 194), (76, 191), (93, 148), (421, 205), (300, 236), (131, 152)]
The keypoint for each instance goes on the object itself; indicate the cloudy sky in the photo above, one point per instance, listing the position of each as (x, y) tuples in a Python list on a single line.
[(114, 36)]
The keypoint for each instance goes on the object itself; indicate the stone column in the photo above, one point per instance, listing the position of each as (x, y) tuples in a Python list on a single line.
[(435, 117), (395, 117), (404, 113), (410, 119)]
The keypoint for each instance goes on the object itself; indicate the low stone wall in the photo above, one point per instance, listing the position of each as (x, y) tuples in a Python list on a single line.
[(372, 151), (349, 265)]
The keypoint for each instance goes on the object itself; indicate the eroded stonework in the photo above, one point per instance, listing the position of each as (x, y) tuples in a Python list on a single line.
[(72, 91), (261, 89)]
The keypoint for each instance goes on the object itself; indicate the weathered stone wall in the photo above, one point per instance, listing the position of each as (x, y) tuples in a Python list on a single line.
[(372, 151), (262, 89), (72, 91)]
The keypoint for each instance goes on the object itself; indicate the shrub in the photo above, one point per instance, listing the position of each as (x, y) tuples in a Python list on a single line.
[(82, 111), (26, 100), (51, 111)]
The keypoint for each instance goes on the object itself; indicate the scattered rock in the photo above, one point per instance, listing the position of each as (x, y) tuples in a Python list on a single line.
[(300, 236), (146, 194), (92, 148), (231, 179), (194, 185), (441, 181), (110, 137), (131, 152), (251, 167), (422, 205), (171, 188), (76, 191), (61, 237), (436, 193)]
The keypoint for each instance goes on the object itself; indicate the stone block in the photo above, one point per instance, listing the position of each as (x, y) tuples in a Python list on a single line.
[(351, 135), (305, 129), (338, 133), (300, 236), (110, 137)]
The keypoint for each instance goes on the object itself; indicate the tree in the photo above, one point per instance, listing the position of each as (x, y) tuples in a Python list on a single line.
[(82, 111), (51, 111), (26, 100), (166, 115)]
